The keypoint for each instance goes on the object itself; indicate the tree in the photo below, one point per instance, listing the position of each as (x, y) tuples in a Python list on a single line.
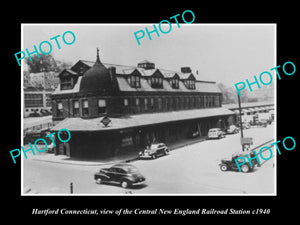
[(229, 95), (39, 64)]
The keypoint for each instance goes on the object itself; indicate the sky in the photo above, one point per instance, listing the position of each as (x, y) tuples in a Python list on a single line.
[(227, 53)]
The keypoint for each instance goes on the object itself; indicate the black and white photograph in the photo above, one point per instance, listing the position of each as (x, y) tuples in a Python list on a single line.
[(129, 109), (145, 111)]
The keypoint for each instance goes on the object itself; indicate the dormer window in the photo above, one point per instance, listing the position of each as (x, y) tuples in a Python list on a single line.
[(156, 82), (190, 84), (175, 82), (134, 81), (68, 78), (66, 83)]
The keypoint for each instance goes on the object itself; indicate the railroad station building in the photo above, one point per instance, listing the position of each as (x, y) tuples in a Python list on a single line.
[(115, 109)]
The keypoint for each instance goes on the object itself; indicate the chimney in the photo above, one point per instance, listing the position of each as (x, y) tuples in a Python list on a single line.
[(186, 70)]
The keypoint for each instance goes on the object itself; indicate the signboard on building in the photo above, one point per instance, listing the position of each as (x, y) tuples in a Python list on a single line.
[(246, 141), (105, 121)]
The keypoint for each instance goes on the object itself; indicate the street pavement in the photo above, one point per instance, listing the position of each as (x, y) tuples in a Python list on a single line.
[(192, 169)]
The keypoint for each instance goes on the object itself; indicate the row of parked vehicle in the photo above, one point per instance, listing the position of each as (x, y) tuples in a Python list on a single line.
[(218, 133), (127, 175)]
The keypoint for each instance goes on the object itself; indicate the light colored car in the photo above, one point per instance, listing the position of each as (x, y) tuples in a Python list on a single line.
[(154, 151), (246, 125), (232, 129), (215, 133)]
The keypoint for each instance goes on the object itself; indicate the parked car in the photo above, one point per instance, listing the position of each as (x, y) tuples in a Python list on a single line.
[(154, 150), (230, 164), (124, 174), (215, 133), (232, 129), (262, 122), (246, 125), (50, 147)]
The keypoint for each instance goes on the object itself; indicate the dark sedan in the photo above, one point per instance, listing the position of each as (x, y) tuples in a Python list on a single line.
[(123, 174)]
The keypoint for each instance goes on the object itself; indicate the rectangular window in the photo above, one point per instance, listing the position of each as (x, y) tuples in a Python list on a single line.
[(159, 103), (66, 83), (192, 102), (151, 103), (187, 102), (156, 82), (59, 109), (167, 104), (48, 100), (101, 106), (85, 107), (133, 81), (146, 104), (177, 103), (137, 105), (175, 83), (76, 108), (126, 105), (171, 104), (33, 100), (125, 102), (137, 102), (137, 82)]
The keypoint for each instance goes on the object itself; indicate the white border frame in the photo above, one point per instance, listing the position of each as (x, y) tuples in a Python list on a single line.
[(134, 24)]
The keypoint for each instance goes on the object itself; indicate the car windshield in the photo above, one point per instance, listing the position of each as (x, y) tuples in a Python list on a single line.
[(154, 146)]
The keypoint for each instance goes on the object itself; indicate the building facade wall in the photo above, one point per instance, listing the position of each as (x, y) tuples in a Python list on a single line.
[(135, 103), (105, 144)]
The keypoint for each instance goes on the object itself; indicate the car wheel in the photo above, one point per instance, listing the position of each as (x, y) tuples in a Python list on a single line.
[(245, 168), (224, 167), (124, 184), (99, 181), (153, 156)]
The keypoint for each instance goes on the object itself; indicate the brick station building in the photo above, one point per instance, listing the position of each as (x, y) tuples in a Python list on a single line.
[(112, 109)]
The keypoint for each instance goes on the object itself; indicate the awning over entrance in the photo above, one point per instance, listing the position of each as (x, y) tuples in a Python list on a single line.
[(79, 124)]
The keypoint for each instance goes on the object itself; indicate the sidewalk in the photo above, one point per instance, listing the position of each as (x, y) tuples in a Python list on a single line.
[(49, 157)]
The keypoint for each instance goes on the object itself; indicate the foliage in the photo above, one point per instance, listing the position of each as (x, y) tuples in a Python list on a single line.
[(45, 63)]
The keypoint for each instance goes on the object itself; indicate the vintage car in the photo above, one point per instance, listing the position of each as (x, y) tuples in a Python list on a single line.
[(49, 148), (245, 125), (232, 129), (215, 133), (154, 150), (124, 174), (230, 164)]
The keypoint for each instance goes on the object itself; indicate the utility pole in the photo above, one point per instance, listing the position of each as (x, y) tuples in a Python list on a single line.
[(241, 123)]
